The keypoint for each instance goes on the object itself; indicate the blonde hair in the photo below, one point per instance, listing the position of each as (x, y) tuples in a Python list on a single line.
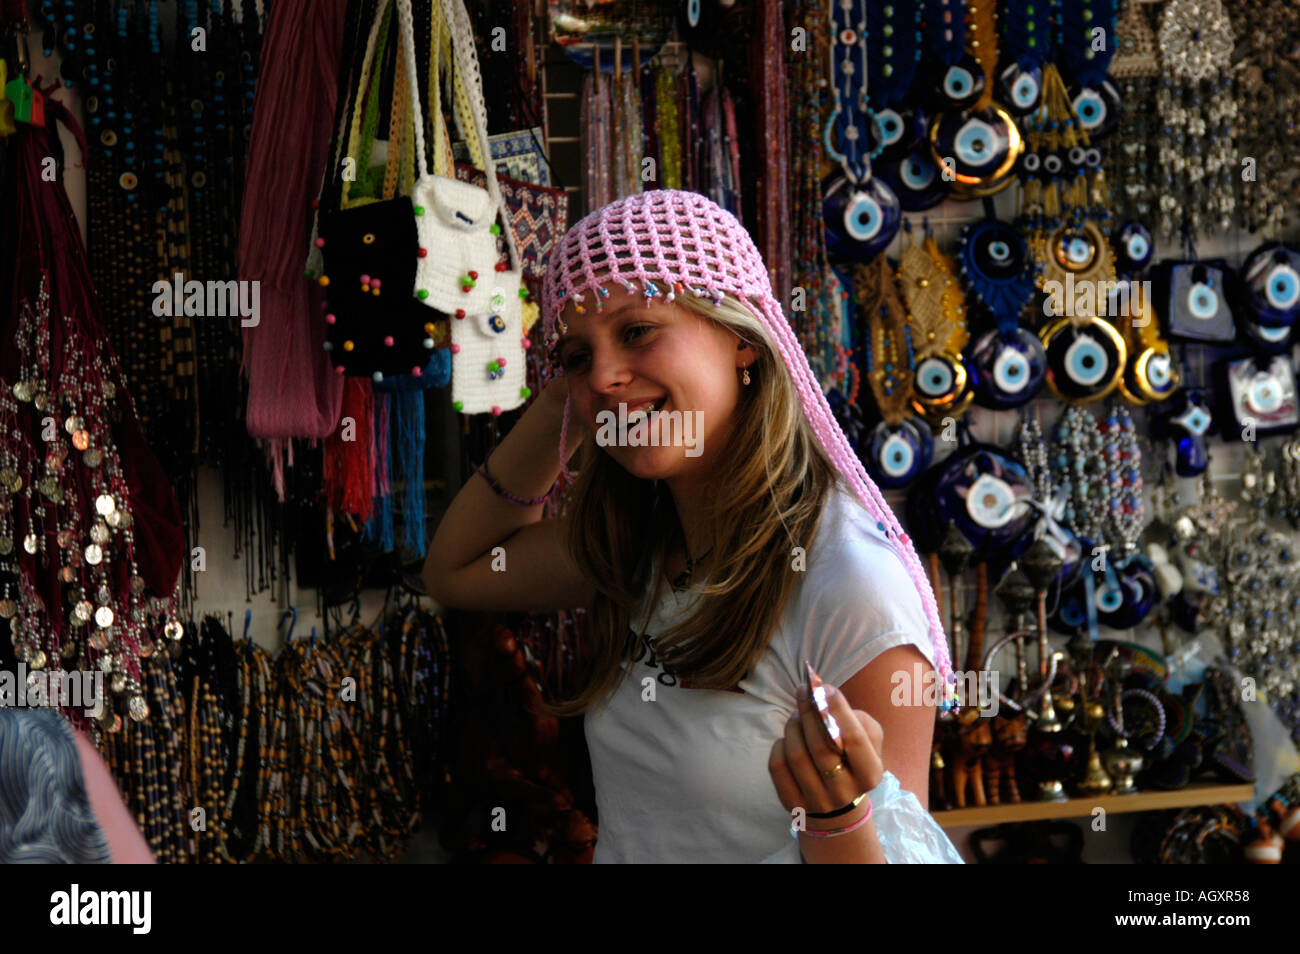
[(767, 490)]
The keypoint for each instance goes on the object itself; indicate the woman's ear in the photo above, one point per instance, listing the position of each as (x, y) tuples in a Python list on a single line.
[(746, 354)]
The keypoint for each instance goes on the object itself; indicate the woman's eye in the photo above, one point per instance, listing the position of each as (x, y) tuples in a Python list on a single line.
[(573, 360), (636, 331)]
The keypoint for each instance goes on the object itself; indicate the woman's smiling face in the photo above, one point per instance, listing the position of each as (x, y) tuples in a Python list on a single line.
[(638, 352)]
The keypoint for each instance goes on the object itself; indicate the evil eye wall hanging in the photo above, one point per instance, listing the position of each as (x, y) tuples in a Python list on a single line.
[(1007, 368), (939, 383), (896, 454), (1098, 107), (861, 212), (1084, 361), (980, 489), (1262, 394), (1020, 89), (899, 131), (861, 220), (914, 179), (1264, 339), (977, 151), (1133, 248), (1271, 278), (1195, 300), (1150, 372), (996, 267), (960, 85), (1186, 420)]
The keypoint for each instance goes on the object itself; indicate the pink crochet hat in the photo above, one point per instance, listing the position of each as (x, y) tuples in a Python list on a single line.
[(670, 241)]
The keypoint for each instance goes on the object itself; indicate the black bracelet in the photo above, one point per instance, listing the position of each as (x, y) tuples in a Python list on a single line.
[(839, 811)]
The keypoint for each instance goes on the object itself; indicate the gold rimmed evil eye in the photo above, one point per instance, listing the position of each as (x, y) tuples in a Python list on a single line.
[(368, 238)]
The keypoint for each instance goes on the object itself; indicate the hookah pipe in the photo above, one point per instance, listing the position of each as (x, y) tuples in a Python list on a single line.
[(954, 552)]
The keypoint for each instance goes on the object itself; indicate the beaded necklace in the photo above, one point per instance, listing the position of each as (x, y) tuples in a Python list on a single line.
[(818, 323)]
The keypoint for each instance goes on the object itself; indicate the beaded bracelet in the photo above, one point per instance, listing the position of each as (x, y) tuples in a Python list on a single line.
[(507, 495), (795, 832)]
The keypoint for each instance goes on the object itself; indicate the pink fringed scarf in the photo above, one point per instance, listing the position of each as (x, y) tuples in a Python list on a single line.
[(292, 392)]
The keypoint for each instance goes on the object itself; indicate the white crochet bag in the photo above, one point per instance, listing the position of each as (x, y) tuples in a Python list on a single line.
[(459, 267)]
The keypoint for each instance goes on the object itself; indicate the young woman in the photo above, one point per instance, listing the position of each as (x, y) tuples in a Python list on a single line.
[(721, 545)]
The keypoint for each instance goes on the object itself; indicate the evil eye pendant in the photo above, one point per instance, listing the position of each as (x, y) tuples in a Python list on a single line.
[(1021, 90), (1097, 107), (1155, 375), (895, 456), (939, 382), (991, 502), (1133, 248), (1272, 278), (898, 132), (1007, 370), (1074, 251), (981, 150), (915, 179), (961, 85), (861, 220), (1084, 364)]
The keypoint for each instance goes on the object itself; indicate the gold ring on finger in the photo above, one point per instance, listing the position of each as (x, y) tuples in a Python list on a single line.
[(831, 773)]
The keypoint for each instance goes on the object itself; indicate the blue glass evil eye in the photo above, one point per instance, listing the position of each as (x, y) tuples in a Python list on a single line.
[(1203, 302), (896, 456), (1085, 361), (958, 82), (862, 217), (1108, 599), (1283, 288), (1195, 420), (915, 173), (1011, 371), (934, 378), (1090, 107), (976, 143), (1160, 371)]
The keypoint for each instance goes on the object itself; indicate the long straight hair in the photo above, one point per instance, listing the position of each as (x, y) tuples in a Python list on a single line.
[(765, 495)]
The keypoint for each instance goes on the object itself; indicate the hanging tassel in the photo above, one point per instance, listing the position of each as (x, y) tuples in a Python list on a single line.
[(349, 478), (408, 434), (379, 529)]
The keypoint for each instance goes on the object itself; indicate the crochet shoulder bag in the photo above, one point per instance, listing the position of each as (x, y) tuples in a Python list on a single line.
[(368, 244), (459, 272)]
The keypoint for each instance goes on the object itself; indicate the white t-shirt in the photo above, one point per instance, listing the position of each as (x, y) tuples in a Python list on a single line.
[(684, 778)]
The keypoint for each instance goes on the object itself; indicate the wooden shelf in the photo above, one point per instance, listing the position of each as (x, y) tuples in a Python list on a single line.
[(1201, 793)]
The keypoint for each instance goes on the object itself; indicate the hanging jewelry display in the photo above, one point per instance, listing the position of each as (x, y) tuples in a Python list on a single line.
[(936, 315), (900, 446), (1131, 160), (772, 123), (1268, 78), (1197, 157), (819, 323), (862, 213), (596, 130), (1260, 630)]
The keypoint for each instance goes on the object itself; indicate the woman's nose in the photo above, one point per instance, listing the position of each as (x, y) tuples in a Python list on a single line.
[(609, 371)]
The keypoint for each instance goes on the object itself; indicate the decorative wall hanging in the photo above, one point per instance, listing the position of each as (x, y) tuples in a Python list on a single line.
[(1267, 78), (972, 138), (937, 322), (1133, 153), (1193, 296), (1197, 157), (900, 446), (1262, 394), (862, 213)]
